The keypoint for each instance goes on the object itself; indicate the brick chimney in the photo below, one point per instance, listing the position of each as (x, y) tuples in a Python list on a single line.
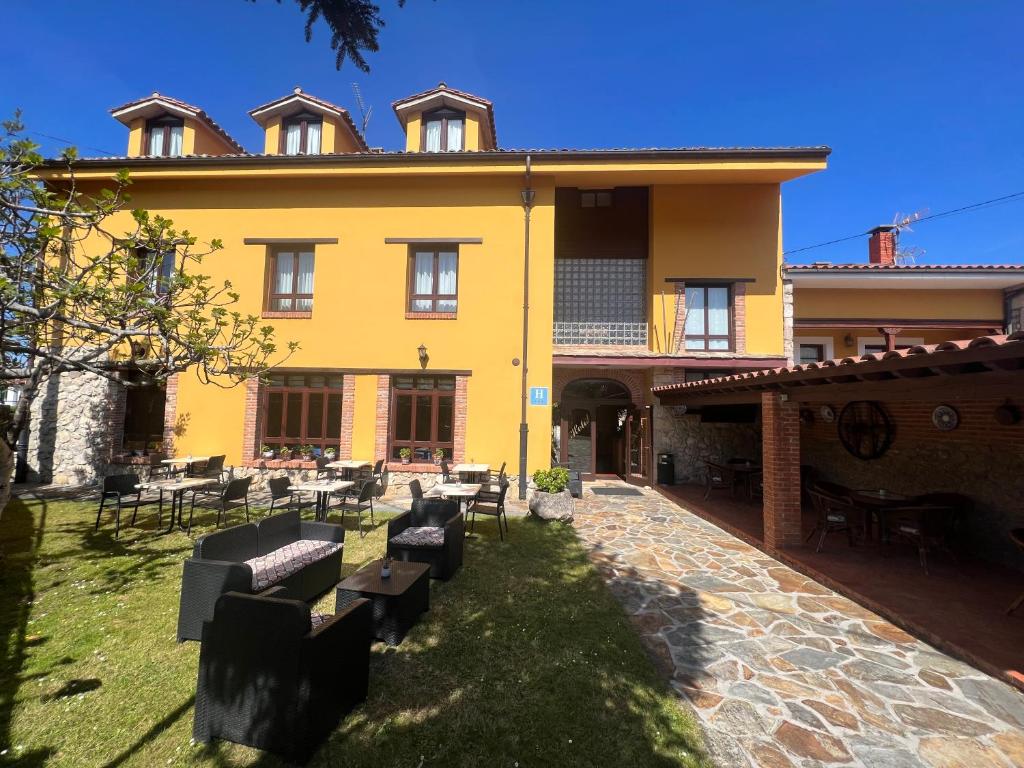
[(882, 245)]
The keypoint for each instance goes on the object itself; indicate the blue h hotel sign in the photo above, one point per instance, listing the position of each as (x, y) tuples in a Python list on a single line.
[(538, 395)]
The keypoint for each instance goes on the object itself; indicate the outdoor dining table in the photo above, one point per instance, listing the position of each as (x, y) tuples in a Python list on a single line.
[(185, 461), (744, 472), (472, 472), (463, 492), (877, 502), (348, 466), (323, 490), (177, 489)]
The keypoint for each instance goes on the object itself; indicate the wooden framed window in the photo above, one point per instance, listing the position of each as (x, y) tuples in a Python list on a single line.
[(302, 409), (811, 353), (156, 270), (301, 134), (595, 198), (443, 130), (164, 136), (709, 318), (433, 280), (422, 416), (290, 280)]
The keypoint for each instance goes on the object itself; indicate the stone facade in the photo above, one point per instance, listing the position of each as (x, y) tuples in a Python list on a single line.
[(980, 458), (76, 424), (787, 320)]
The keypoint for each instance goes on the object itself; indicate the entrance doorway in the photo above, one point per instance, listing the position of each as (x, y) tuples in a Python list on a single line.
[(598, 430)]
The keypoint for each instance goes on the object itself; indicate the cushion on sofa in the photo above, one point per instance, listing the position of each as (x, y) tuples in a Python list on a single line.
[(276, 566), (420, 537), (316, 619)]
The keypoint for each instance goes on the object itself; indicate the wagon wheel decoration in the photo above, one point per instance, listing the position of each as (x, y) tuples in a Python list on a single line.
[(864, 429)]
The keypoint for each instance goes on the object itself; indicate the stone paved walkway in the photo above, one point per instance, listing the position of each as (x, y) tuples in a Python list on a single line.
[(781, 671)]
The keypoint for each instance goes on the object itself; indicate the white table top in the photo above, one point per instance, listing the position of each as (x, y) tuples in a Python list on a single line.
[(451, 489), (322, 486), (178, 485), (185, 460), (468, 468), (348, 464)]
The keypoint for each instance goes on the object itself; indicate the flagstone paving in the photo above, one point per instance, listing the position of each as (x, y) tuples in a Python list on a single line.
[(780, 670)]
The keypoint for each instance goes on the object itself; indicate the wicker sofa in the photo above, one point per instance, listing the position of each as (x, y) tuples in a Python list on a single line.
[(274, 676), (432, 532), (281, 550)]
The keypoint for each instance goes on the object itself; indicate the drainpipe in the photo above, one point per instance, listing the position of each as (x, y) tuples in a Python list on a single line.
[(528, 196)]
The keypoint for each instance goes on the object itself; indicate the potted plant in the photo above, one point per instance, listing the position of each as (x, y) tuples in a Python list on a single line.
[(306, 452), (550, 500), (266, 451), (285, 453), (405, 454), (438, 455), (330, 453)]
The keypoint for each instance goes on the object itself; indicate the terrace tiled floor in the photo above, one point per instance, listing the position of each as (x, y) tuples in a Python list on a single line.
[(781, 671)]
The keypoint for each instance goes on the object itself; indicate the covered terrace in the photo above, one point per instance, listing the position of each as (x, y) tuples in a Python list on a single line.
[(944, 418)]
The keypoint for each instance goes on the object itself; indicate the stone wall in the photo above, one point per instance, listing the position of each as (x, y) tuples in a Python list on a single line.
[(981, 459), (75, 418)]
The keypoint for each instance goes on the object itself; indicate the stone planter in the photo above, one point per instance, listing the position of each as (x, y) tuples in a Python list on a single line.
[(551, 506)]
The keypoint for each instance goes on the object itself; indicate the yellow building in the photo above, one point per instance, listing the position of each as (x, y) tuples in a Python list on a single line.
[(851, 309), (404, 276)]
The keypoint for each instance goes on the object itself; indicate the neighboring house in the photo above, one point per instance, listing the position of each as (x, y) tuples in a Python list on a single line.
[(850, 309), (401, 274)]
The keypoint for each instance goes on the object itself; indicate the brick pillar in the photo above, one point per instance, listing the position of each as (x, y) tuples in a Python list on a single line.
[(252, 428), (348, 415), (383, 408), (739, 301), (781, 457), (459, 427), (679, 332)]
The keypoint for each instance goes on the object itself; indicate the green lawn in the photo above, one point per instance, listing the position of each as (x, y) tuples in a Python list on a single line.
[(524, 659)]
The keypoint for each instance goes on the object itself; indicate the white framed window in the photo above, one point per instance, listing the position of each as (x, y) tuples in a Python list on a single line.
[(804, 346), (869, 344)]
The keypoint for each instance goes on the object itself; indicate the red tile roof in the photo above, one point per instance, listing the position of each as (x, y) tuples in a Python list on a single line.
[(779, 375), (199, 113), (820, 267), (445, 88)]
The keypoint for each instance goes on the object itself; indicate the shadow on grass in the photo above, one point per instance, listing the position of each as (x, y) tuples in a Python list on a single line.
[(524, 658), (20, 537), (166, 722)]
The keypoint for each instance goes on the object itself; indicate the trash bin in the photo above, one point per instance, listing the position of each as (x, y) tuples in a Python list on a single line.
[(666, 469)]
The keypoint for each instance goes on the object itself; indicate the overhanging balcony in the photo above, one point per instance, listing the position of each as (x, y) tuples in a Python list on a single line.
[(600, 333)]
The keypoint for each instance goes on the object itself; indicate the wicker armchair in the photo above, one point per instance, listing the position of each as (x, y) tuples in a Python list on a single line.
[(718, 477), (432, 532), (274, 676), (835, 513)]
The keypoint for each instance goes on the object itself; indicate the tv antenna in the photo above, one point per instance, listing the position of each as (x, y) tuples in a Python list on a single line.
[(364, 112), (907, 256)]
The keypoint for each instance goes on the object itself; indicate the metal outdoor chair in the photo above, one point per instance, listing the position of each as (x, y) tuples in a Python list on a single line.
[(323, 472), (278, 487), (380, 477), (445, 472), (234, 495), (121, 489), (214, 469), (157, 470), (494, 508), (363, 501), (835, 514), (1017, 537), (416, 489)]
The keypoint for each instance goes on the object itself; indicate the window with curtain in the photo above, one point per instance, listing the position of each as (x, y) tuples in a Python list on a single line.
[(290, 284), (155, 269), (301, 134), (444, 131), (433, 279), (708, 317), (165, 136), (422, 416), (299, 410)]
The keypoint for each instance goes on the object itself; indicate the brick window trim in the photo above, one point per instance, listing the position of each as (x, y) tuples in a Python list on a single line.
[(275, 315), (738, 320), (431, 316), (382, 433)]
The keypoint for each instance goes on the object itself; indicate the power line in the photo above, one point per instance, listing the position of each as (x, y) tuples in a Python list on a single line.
[(69, 142), (942, 214)]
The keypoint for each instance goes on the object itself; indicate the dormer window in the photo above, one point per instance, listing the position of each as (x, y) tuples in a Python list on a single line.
[(300, 135), (444, 131), (164, 136)]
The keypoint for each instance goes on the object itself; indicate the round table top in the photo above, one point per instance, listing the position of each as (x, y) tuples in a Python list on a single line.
[(880, 495), (452, 489)]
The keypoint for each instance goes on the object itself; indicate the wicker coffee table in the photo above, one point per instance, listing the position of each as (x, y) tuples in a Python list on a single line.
[(397, 601)]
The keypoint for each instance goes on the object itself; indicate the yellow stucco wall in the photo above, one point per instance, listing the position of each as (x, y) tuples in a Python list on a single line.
[(360, 293), (412, 133), (718, 231), (136, 132), (272, 136), (907, 303)]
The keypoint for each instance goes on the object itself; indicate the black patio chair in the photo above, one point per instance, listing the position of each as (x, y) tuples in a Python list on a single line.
[(214, 469), (925, 527), (278, 487), (718, 477), (121, 490), (234, 495), (416, 489), (379, 475), (323, 472), (363, 501), (835, 514), (157, 470), (494, 508), (446, 475), (275, 676)]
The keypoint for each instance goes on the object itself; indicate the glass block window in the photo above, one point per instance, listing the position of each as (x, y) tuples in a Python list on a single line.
[(600, 301)]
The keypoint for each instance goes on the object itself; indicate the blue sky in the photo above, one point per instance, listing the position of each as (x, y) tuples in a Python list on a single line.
[(922, 102)]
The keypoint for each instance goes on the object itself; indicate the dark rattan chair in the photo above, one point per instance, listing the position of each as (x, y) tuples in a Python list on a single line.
[(718, 477), (835, 513), (495, 508), (432, 532), (416, 489), (121, 490), (274, 676), (363, 501), (278, 487), (234, 495), (925, 527), (1017, 537)]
